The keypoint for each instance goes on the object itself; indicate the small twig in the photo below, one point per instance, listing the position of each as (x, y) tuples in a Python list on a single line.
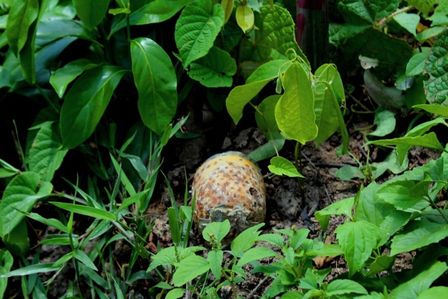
[(381, 23), (257, 287)]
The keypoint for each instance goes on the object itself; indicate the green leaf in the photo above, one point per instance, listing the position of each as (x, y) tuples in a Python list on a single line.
[(85, 210), (17, 241), (7, 170), (169, 256), (254, 254), (63, 76), (242, 94), (244, 17), (214, 69), (380, 263), (434, 292), (20, 19), (189, 268), (20, 195), (31, 269), (267, 150), (265, 116), (348, 172), (151, 13), (175, 293), (52, 30), (227, 6), (357, 240), (344, 286), (46, 152), (413, 287), (197, 28), (294, 111), (86, 102), (419, 234), (282, 166), (276, 33), (385, 123), (430, 33), (408, 21), (48, 221), (437, 109), (416, 64), (428, 140), (436, 86), (440, 15), (6, 261), (85, 259), (328, 94), (156, 83), (245, 240), (406, 195), (216, 231), (340, 207), (90, 12), (215, 258), (424, 6)]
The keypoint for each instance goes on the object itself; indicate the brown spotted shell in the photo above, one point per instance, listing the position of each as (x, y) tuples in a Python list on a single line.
[(229, 186)]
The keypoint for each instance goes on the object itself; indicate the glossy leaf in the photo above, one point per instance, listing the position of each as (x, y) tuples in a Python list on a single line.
[(21, 193), (86, 102), (46, 152), (294, 111), (243, 94), (265, 116), (422, 281), (151, 13), (85, 210), (244, 17), (420, 234), (175, 293), (196, 29), (434, 292), (156, 83), (282, 166), (357, 240), (190, 268), (428, 140), (20, 18), (90, 12), (215, 69), (408, 21), (6, 261), (63, 76)]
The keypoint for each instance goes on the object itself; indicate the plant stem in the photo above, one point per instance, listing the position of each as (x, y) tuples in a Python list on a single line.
[(381, 23)]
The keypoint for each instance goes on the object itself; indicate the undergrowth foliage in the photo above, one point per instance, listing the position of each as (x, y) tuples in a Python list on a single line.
[(93, 92)]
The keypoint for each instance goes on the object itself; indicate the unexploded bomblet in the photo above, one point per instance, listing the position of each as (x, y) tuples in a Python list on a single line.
[(229, 186)]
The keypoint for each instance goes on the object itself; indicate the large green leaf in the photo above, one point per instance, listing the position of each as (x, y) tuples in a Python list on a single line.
[(344, 286), (428, 140), (6, 261), (214, 69), (156, 83), (420, 234), (328, 95), (46, 152), (242, 94), (253, 254), (357, 11), (91, 12), (424, 6), (265, 116), (434, 292), (86, 102), (52, 30), (437, 109), (436, 86), (294, 111), (276, 33), (190, 268), (416, 285), (405, 195), (63, 76), (153, 12), (357, 240), (196, 29), (20, 195), (20, 18)]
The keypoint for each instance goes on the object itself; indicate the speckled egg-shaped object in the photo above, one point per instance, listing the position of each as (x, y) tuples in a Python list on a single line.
[(229, 186)]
